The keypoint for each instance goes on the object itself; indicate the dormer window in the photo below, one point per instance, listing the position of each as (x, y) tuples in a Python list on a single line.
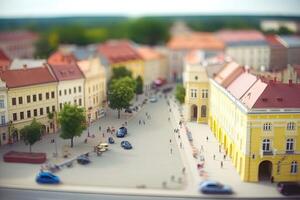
[(279, 99), (264, 99)]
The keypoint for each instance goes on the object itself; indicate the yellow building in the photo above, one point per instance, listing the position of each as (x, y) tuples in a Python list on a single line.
[(196, 83), (121, 53), (257, 122), (31, 94), (94, 87)]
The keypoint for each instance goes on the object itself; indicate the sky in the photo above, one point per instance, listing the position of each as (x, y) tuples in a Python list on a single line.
[(135, 8)]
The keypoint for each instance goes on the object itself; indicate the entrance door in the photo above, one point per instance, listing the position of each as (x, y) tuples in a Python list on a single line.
[(265, 170), (194, 112)]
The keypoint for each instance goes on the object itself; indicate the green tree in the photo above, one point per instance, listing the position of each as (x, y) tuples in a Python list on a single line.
[(31, 133), (121, 72), (283, 30), (121, 92), (139, 85), (72, 121), (180, 93)]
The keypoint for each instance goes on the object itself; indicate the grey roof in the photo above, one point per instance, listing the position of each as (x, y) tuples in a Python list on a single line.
[(248, 43), (83, 53), (290, 41)]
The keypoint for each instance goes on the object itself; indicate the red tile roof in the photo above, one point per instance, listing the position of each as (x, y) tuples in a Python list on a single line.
[(196, 40), (118, 51), (273, 41), (17, 35), (148, 53), (26, 77), (228, 74), (61, 58), (64, 72), (240, 35)]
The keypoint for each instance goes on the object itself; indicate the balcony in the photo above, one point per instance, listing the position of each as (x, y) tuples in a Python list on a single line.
[(289, 152)]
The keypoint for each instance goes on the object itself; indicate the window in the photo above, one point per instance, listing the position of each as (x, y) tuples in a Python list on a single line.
[(59, 92), (75, 102), (47, 95), (52, 95), (40, 97), (205, 93), (47, 109), (28, 113), (79, 89), (294, 167), (193, 93), (20, 100), (15, 118), (266, 145), (290, 126), (28, 99), (21, 115), (14, 101), (267, 126), (290, 144), (2, 119), (74, 90), (53, 108), (70, 91), (2, 103), (65, 91), (35, 112), (41, 111), (80, 103), (34, 98), (3, 136)]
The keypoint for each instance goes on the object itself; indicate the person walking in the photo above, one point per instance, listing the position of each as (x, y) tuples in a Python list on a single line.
[(183, 170), (224, 156), (99, 128), (140, 122), (170, 141), (214, 157), (144, 122), (206, 138), (221, 164), (171, 150), (181, 145), (219, 148)]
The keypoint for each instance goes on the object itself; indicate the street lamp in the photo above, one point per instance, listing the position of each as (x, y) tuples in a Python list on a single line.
[(89, 117)]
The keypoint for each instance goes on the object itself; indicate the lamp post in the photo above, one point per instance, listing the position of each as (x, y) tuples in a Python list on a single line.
[(89, 122)]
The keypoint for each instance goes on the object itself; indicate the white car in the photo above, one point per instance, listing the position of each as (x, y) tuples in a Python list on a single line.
[(153, 99)]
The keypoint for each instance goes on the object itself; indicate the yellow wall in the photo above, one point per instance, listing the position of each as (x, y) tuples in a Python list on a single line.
[(241, 134), (135, 66), (24, 107)]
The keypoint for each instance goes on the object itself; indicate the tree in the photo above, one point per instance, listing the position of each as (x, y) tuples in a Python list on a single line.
[(283, 30), (31, 133), (139, 85), (121, 92), (121, 72), (180, 93), (72, 121)]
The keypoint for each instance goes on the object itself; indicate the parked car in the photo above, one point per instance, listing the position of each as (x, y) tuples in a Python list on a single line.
[(83, 160), (103, 146), (126, 145), (47, 178), (289, 188), (168, 89), (111, 140), (214, 187), (159, 82), (128, 110), (122, 131), (153, 99)]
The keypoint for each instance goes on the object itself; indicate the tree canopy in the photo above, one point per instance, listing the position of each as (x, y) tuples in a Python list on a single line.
[(31, 133), (72, 121), (180, 93), (121, 92), (139, 85), (120, 72)]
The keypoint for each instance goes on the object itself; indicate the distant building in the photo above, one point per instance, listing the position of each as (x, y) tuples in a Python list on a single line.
[(4, 60), (292, 43), (247, 47), (117, 53), (275, 25), (18, 44), (180, 45), (278, 53)]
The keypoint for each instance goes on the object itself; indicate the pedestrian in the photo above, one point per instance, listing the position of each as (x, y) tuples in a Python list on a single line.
[(168, 118), (103, 134), (170, 110), (171, 150), (144, 122), (172, 178), (170, 141), (183, 170), (219, 148), (164, 184), (214, 157), (140, 122), (221, 164), (99, 128), (206, 138), (181, 145), (224, 156), (125, 123), (178, 136)]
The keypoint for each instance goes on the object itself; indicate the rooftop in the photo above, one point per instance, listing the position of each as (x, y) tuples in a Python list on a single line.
[(30, 63), (116, 51), (61, 58), (17, 35), (148, 53), (290, 41), (274, 41), (195, 40), (26, 77), (240, 36), (66, 71), (228, 74)]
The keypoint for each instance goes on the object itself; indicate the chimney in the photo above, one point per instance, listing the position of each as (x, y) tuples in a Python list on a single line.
[(24, 66), (290, 82)]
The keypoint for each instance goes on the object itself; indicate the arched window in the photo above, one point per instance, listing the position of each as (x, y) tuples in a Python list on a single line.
[(294, 167), (290, 126), (290, 144), (266, 145), (267, 126)]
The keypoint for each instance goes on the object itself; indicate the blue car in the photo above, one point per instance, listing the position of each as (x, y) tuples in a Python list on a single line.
[(111, 140), (83, 160), (121, 132), (47, 178), (214, 187), (126, 145)]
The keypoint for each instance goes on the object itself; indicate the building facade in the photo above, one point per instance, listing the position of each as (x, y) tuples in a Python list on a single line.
[(3, 114), (31, 95), (257, 123), (292, 43), (278, 53), (94, 87)]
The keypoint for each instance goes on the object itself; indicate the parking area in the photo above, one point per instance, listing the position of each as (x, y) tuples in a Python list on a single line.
[(152, 161)]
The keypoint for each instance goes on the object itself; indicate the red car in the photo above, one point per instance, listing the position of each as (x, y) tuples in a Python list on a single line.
[(160, 82)]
